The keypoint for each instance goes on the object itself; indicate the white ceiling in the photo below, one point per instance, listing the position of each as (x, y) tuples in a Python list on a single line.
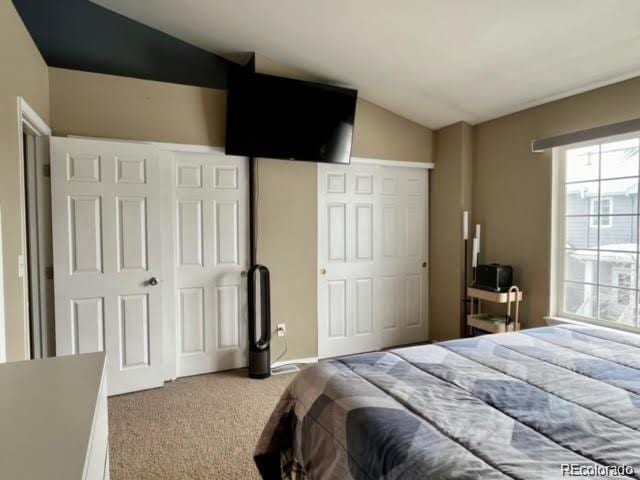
[(433, 61)]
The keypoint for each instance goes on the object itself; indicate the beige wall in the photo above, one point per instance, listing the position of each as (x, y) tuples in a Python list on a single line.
[(512, 185), (287, 245), (380, 133), (25, 74), (117, 107), (450, 195), (98, 105)]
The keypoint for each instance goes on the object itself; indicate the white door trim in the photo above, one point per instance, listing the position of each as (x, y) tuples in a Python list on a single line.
[(392, 163), (3, 346), (28, 117)]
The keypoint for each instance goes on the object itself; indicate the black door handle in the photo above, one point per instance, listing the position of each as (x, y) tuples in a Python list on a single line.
[(153, 281)]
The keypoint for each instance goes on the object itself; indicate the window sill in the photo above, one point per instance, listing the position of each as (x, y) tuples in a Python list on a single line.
[(554, 320)]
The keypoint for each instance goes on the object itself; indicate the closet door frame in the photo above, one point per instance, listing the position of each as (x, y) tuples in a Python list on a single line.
[(324, 348)]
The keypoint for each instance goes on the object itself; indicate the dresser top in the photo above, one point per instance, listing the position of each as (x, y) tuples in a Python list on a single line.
[(47, 409)]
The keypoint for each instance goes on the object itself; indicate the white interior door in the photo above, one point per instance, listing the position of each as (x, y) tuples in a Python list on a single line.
[(349, 321), (107, 208), (372, 254), (211, 259)]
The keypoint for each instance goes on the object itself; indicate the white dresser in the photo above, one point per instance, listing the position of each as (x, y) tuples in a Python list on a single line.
[(53, 419)]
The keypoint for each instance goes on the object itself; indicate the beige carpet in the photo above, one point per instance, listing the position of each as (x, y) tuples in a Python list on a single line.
[(202, 427)]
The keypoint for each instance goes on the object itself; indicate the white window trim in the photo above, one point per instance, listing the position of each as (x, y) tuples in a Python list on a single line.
[(556, 320), (558, 243)]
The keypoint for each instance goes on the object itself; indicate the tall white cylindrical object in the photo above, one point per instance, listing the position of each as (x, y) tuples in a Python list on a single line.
[(474, 256), (465, 225)]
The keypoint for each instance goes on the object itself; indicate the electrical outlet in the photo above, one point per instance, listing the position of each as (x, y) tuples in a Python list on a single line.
[(282, 329)]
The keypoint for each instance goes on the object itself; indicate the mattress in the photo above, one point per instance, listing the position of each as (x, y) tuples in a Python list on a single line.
[(543, 403)]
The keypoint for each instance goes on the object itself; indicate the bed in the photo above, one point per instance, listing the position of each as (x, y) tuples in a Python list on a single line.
[(537, 404)]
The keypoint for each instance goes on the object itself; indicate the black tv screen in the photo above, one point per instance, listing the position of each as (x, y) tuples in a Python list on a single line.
[(276, 117)]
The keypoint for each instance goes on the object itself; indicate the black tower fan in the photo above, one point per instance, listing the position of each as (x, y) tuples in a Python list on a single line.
[(259, 348)]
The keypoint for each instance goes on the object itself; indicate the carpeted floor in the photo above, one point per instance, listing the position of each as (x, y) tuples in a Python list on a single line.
[(201, 427)]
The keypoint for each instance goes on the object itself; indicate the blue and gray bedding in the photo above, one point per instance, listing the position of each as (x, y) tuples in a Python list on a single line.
[(543, 403)]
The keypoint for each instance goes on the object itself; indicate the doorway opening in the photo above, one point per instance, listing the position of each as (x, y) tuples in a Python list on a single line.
[(36, 263)]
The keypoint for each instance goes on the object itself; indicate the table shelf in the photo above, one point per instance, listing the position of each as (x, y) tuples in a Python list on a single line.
[(486, 323), (476, 320), (495, 297)]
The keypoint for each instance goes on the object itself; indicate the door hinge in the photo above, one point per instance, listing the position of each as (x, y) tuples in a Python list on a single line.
[(46, 170), (49, 273)]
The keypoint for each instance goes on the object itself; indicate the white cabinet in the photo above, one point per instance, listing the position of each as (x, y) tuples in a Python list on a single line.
[(54, 419)]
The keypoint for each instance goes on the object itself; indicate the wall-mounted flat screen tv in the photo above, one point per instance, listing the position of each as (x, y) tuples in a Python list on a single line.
[(276, 117)]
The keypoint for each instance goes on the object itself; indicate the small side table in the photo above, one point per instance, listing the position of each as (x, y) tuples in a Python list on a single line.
[(494, 323)]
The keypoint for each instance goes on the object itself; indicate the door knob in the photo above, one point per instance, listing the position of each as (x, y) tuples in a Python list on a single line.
[(323, 271), (153, 281), (424, 264)]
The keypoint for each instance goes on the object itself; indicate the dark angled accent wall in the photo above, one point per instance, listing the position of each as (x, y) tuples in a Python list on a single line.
[(80, 35)]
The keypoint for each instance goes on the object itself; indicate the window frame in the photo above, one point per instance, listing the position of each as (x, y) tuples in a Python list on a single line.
[(558, 240)]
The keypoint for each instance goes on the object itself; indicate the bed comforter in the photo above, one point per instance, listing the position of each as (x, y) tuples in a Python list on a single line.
[(544, 403)]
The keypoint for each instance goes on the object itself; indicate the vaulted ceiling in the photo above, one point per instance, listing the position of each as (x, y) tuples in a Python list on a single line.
[(433, 61), (80, 35)]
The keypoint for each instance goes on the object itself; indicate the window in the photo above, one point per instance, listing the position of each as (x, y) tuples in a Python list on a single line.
[(606, 205), (596, 224), (624, 280)]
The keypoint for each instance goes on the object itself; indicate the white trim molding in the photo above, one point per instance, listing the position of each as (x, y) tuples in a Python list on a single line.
[(294, 361), (554, 320), (29, 116), (3, 344), (392, 163)]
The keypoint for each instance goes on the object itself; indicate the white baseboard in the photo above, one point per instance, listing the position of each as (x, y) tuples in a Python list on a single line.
[(295, 360)]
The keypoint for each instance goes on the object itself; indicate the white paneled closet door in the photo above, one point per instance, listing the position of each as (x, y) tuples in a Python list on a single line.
[(211, 257), (372, 254), (107, 209), (349, 320), (403, 262)]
